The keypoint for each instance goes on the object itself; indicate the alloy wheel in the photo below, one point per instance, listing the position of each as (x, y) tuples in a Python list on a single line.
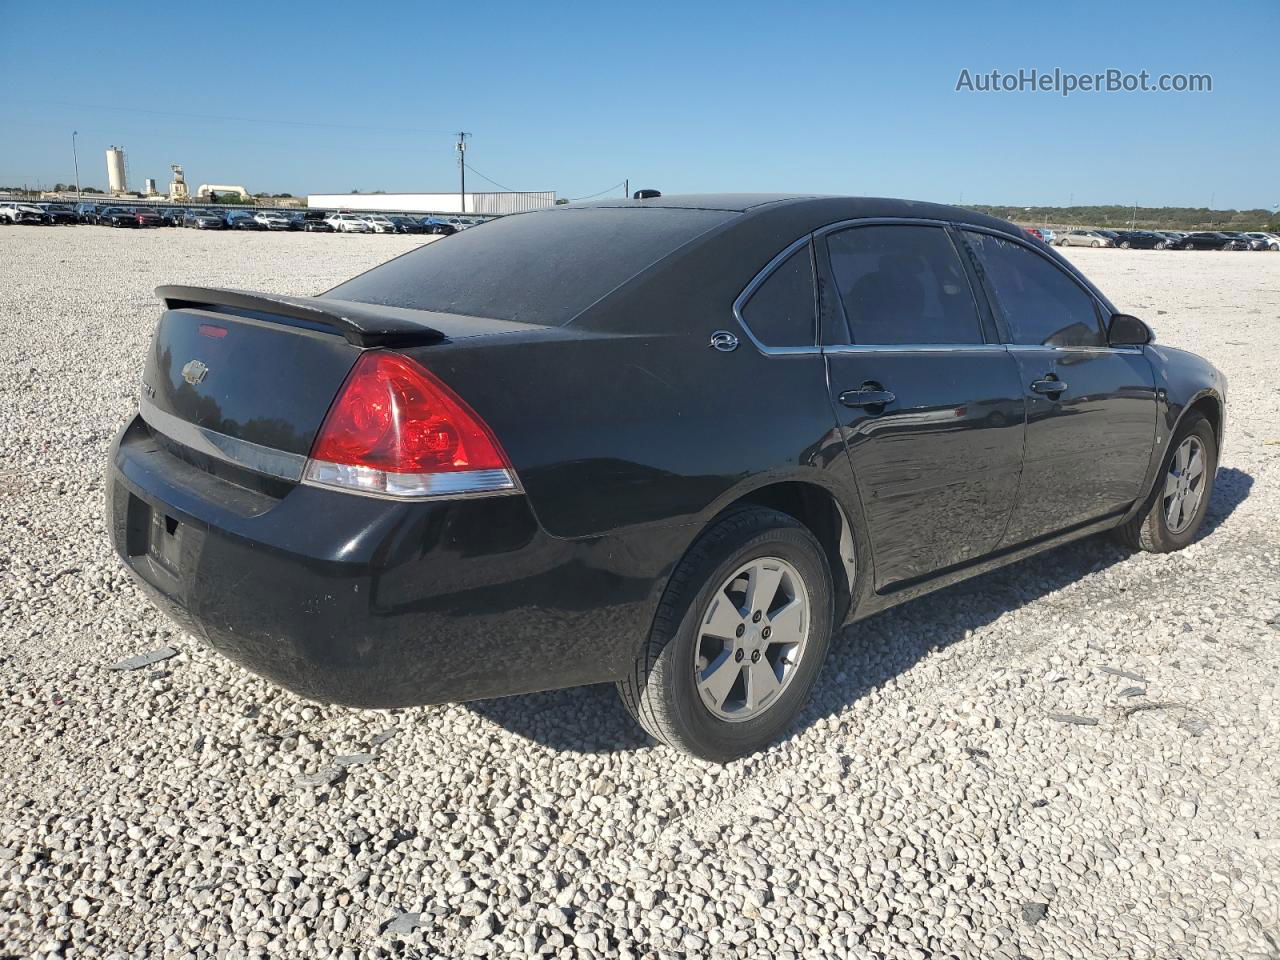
[(751, 638), (1184, 485)]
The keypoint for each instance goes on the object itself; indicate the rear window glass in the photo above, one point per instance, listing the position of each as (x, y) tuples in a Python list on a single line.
[(534, 268)]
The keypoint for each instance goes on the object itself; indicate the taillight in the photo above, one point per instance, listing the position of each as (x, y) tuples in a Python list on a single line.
[(397, 431)]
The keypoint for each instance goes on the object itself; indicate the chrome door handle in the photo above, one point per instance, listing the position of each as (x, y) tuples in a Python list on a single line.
[(865, 397), (1049, 385)]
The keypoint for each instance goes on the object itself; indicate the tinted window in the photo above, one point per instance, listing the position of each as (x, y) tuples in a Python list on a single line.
[(1041, 302), (903, 284), (542, 267), (781, 310)]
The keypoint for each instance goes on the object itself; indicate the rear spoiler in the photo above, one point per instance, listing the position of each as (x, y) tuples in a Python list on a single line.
[(362, 324)]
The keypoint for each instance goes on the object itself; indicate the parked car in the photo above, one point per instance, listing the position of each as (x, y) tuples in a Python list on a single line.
[(1247, 241), (204, 220), (463, 223), (1035, 232), (59, 213), (15, 212), (379, 223), (1084, 238), (1141, 240), (348, 223), (1210, 240), (148, 217), (448, 478), (86, 212), (1263, 241), (1173, 238), (315, 221), (438, 226), (172, 216), (407, 225), (271, 220), (242, 220), (116, 217)]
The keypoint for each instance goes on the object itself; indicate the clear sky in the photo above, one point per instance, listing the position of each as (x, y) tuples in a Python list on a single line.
[(834, 97)]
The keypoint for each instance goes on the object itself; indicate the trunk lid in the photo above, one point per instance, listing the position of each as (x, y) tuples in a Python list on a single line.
[(247, 378)]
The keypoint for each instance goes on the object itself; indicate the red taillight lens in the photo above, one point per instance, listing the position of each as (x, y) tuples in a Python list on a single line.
[(396, 430)]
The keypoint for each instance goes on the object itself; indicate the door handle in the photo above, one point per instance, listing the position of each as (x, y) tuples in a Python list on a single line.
[(1050, 385), (868, 395)]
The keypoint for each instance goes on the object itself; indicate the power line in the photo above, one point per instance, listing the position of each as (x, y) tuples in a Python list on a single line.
[(491, 180), (600, 194)]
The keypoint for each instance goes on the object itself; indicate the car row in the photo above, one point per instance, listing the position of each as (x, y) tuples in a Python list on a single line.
[(310, 221), (1161, 239)]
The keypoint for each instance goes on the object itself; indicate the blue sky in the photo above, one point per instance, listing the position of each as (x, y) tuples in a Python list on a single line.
[(833, 97)]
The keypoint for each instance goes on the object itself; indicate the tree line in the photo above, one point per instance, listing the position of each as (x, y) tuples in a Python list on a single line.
[(1118, 216)]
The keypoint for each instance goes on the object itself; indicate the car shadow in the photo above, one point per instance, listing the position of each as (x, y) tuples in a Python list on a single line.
[(865, 656)]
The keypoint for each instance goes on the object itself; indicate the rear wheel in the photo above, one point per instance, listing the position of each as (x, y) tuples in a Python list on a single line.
[(738, 639), (1095, 244), (1125, 244), (1175, 511)]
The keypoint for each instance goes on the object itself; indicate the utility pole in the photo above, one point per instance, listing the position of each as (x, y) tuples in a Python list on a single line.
[(626, 188), (77, 163), (462, 168)]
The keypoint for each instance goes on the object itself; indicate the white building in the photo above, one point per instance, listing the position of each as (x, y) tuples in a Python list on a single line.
[(490, 203)]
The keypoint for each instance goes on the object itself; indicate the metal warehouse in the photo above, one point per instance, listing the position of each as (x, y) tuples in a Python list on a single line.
[(491, 203)]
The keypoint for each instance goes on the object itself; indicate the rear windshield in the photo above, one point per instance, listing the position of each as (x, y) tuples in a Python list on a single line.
[(541, 268)]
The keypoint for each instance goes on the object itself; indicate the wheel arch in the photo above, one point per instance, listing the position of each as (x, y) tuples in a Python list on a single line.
[(819, 510)]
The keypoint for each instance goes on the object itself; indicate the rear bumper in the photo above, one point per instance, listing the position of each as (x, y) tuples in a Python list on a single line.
[(375, 603)]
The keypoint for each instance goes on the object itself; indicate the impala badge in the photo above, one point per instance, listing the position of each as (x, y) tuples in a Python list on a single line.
[(194, 372), (724, 341)]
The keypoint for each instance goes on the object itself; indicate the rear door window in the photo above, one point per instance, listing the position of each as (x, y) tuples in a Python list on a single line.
[(1042, 304), (903, 284), (781, 311)]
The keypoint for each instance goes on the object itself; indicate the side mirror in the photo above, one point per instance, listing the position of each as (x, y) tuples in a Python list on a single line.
[(1127, 331)]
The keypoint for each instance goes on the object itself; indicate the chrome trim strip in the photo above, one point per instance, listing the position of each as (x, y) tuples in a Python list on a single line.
[(1023, 347), (242, 453), (913, 347), (462, 485), (879, 221)]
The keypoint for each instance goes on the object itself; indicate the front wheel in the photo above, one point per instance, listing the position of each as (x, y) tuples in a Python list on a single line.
[(738, 639), (1160, 244), (1174, 512), (1095, 244), (1125, 244)]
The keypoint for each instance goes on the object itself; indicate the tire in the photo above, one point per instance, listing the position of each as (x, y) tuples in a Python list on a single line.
[(662, 690), (1150, 529), (1095, 244), (1160, 245), (1125, 245)]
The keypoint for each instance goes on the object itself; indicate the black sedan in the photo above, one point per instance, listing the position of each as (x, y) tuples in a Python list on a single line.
[(1211, 241), (436, 226), (241, 220), (116, 217), (1140, 240), (60, 213), (407, 225), (673, 443)]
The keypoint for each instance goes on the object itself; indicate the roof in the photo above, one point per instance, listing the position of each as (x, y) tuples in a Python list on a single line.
[(819, 208)]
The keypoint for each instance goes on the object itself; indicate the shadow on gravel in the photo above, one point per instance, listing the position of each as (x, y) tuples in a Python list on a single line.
[(865, 656)]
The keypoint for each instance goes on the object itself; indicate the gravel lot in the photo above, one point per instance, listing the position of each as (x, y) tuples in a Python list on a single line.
[(929, 805)]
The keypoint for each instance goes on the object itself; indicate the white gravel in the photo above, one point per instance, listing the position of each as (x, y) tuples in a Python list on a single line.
[(929, 805)]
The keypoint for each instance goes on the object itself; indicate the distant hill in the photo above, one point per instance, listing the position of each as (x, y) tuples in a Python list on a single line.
[(1119, 216)]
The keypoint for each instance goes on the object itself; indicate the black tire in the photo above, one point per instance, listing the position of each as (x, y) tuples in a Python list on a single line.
[(1149, 529), (661, 691), (1125, 244)]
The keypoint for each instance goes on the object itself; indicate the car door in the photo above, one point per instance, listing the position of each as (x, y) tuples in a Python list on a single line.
[(1091, 408), (928, 403)]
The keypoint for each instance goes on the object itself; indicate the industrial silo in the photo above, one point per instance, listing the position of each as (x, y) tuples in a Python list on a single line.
[(115, 170)]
